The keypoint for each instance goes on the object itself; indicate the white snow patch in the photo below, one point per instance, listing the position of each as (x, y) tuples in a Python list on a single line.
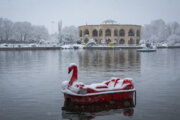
[(74, 87), (72, 46), (110, 86), (67, 46), (67, 91), (64, 85), (72, 64)]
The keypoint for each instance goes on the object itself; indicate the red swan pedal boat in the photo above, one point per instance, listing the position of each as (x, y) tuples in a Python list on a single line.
[(113, 90)]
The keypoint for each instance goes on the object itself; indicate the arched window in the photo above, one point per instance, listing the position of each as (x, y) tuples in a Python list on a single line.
[(137, 33), (108, 32), (115, 32), (95, 33), (130, 41), (121, 32), (121, 41), (86, 40), (108, 41), (131, 32), (80, 33), (86, 32), (100, 33)]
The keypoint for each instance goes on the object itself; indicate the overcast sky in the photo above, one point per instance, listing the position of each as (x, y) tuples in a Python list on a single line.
[(80, 12)]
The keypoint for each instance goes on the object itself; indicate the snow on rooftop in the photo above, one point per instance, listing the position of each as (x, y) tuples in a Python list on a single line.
[(109, 21)]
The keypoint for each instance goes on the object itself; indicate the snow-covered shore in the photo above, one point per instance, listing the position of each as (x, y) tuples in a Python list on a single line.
[(5, 45), (70, 46)]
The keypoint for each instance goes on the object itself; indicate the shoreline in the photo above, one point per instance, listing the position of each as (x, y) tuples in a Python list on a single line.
[(30, 48), (90, 48), (115, 47)]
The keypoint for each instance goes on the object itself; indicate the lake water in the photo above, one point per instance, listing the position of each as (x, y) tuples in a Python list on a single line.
[(30, 82)]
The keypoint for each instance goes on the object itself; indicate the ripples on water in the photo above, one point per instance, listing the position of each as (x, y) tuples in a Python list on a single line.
[(30, 82)]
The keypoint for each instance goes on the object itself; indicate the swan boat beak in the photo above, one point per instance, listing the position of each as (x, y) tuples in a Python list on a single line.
[(69, 71)]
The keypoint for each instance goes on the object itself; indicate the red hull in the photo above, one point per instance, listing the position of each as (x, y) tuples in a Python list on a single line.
[(99, 98), (90, 111), (125, 105)]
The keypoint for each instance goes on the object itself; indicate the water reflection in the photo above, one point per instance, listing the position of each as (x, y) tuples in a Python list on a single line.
[(90, 111), (30, 82), (108, 60)]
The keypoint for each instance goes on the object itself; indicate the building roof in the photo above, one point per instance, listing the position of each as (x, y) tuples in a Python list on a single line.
[(109, 21), (112, 25)]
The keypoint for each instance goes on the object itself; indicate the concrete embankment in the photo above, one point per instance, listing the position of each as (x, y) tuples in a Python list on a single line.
[(162, 47), (127, 47), (106, 48), (30, 48)]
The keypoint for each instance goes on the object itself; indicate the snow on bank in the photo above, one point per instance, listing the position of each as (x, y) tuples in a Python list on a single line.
[(4, 45), (73, 46)]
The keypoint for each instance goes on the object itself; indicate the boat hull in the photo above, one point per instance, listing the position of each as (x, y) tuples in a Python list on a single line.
[(99, 98), (125, 105)]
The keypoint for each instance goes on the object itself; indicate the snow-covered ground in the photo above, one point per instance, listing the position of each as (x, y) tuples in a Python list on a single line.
[(72, 46), (67, 46), (4, 45)]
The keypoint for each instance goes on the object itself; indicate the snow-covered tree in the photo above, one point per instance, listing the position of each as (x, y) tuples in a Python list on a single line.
[(160, 32), (70, 34), (177, 32), (39, 33), (173, 39), (156, 29), (173, 27), (21, 31), (6, 29)]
